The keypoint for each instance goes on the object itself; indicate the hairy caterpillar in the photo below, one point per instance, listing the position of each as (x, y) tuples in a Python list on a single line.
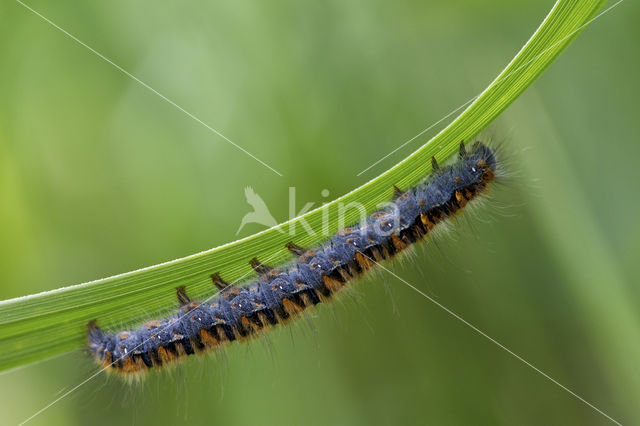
[(316, 275)]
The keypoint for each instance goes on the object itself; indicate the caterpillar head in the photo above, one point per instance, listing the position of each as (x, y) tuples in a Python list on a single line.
[(481, 162)]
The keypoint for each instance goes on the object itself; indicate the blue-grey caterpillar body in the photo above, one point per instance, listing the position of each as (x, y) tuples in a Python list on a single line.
[(316, 275)]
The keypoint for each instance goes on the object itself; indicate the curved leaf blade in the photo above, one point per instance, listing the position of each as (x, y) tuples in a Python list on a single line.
[(45, 324)]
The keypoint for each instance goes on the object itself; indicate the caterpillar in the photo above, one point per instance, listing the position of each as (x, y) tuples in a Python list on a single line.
[(237, 313)]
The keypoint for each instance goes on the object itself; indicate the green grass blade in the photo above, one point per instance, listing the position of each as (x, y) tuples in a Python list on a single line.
[(45, 324)]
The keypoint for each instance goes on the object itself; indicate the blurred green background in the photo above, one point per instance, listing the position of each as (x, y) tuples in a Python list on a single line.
[(100, 176)]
